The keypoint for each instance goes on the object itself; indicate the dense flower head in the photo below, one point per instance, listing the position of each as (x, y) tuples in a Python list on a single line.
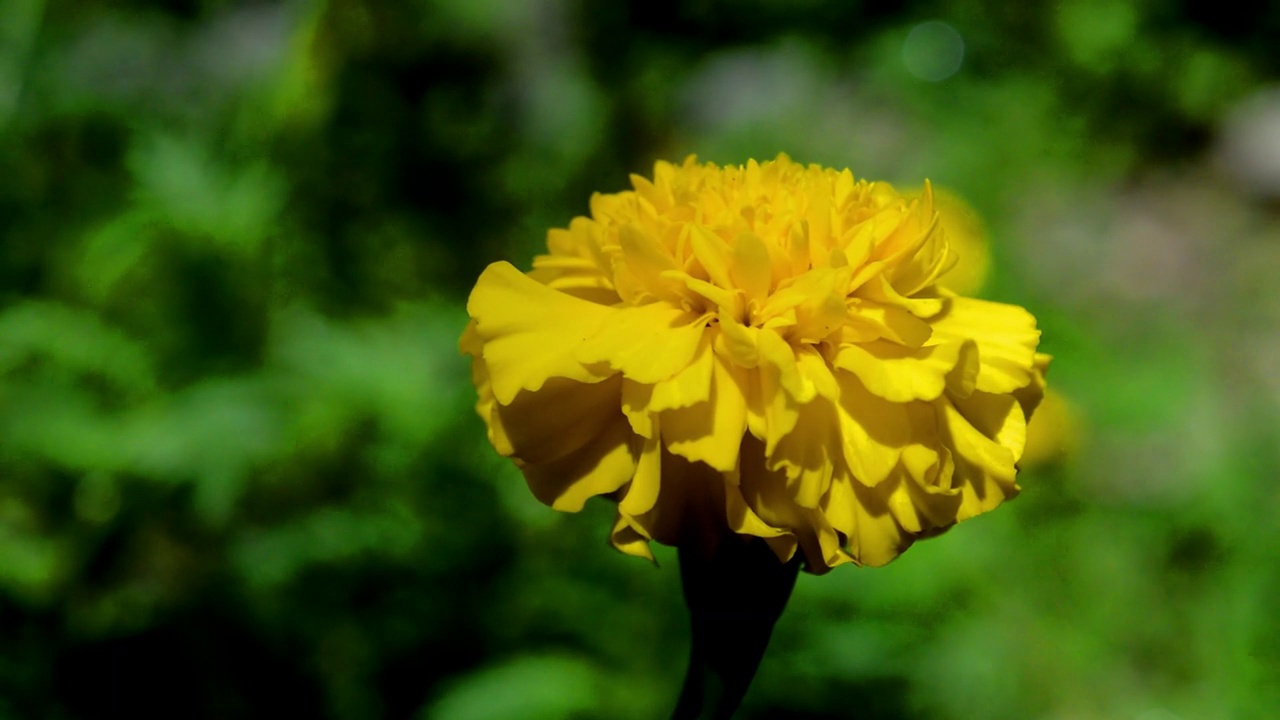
[(768, 349)]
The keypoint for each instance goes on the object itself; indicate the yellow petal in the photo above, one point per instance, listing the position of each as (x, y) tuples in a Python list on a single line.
[(577, 264), (967, 236), (818, 220), (598, 468), (902, 374), (873, 537), (1006, 336), (739, 343), (630, 537), (743, 520), (530, 332), (798, 248), (768, 509), (807, 456), (889, 322), (984, 468), (577, 413), (874, 430), (636, 398), (729, 302), (690, 507), (816, 373), (1029, 397), (752, 270), (934, 500), (879, 289), (820, 318), (779, 356), (689, 386), (919, 495), (877, 539), (642, 492), (902, 505), (647, 344), (998, 417), (710, 432), (922, 266), (816, 299), (713, 254), (486, 405), (780, 407), (646, 259)]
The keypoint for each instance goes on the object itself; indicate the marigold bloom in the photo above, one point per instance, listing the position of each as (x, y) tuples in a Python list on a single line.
[(766, 348)]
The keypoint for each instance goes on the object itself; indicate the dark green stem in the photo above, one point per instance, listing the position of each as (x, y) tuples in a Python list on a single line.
[(735, 597)]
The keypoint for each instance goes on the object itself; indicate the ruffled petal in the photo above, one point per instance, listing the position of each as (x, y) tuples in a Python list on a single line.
[(808, 456), (873, 430), (530, 332), (872, 535), (901, 374), (778, 404), (920, 496), (691, 385), (780, 358), (635, 405), (630, 537), (998, 417), (776, 515), (713, 254), (1006, 336), (984, 468), (873, 320), (690, 507), (642, 492), (537, 436), (816, 374), (712, 431), (648, 344), (600, 467), (1029, 397), (486, 405)]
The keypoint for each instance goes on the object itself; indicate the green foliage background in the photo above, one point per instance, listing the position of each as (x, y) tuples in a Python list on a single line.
[(239, 471)]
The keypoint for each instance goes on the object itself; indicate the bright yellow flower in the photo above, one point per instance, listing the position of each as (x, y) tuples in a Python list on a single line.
[(764, 349)]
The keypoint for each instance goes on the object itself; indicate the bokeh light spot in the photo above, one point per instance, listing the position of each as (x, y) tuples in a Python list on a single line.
[(933, 51)]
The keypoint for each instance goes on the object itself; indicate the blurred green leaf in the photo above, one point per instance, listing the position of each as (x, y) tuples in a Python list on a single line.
[(185, 187), (536, 687)]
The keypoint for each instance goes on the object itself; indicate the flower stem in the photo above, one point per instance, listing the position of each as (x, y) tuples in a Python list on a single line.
[(735, 594)]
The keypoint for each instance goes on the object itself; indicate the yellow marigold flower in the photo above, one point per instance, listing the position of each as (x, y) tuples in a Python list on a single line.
[(763, 348)]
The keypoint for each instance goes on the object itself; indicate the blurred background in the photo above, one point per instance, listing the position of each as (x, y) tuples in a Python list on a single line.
[(240, 474)]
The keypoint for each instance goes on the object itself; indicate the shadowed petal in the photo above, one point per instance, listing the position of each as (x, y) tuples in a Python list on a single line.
[(559, 418), (874, 431), (598, 468), (711, 432)]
